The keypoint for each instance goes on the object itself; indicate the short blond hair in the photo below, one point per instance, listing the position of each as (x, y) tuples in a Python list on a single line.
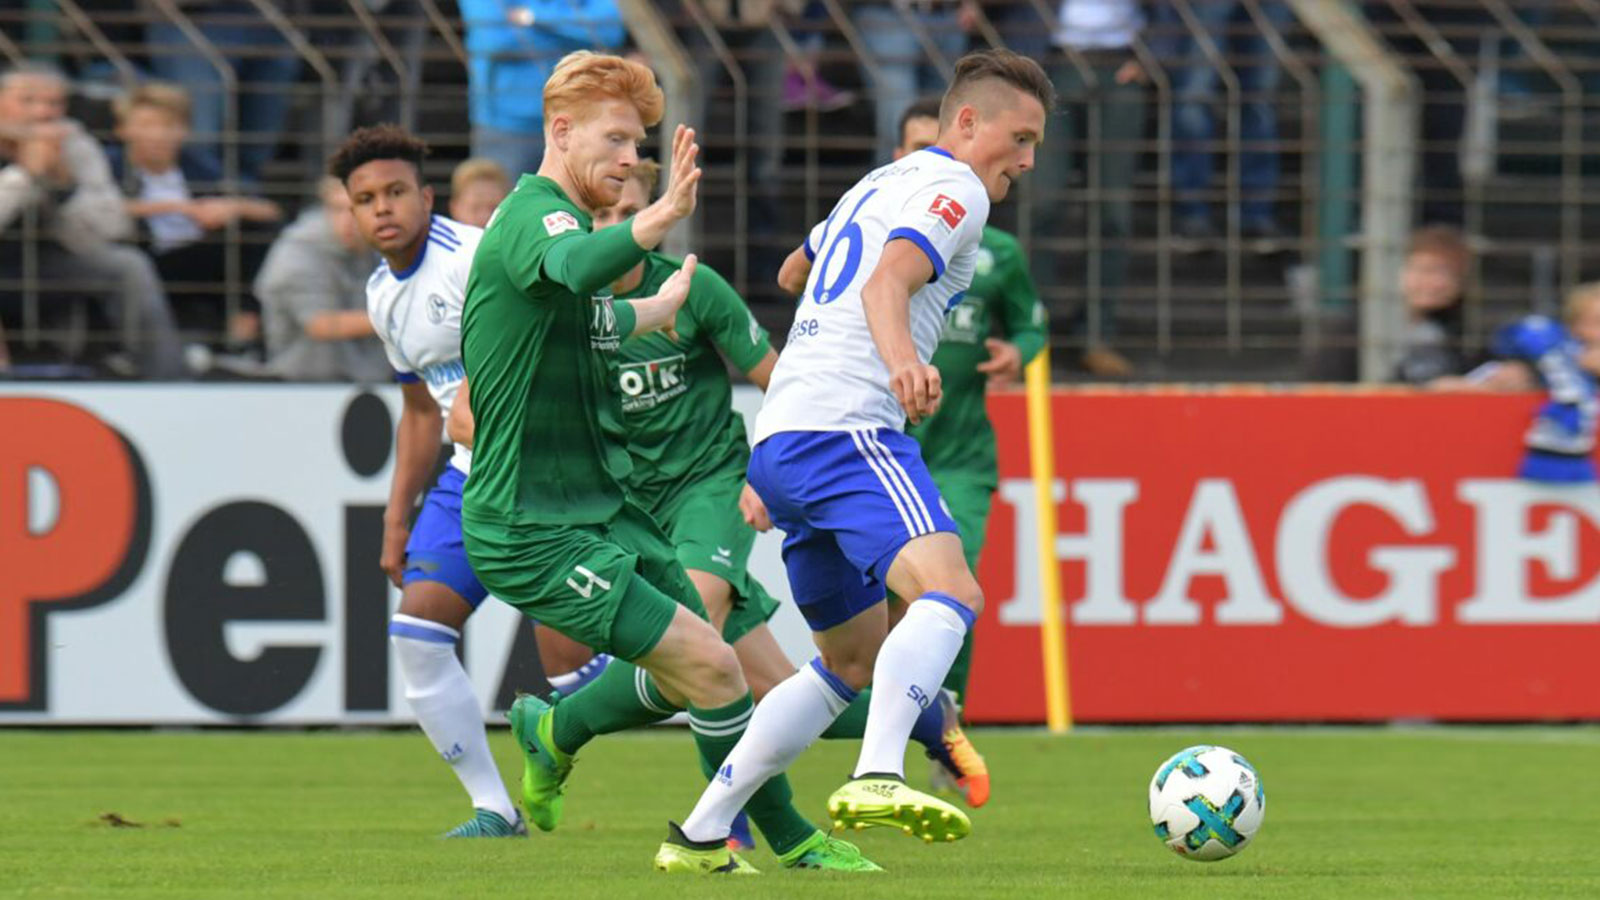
[(1578, 298), (583, 77), (165, 96), (648, 173), (478, 168)]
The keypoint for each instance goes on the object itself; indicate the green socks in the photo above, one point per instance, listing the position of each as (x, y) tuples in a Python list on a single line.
[(622, 697), (716, 731)]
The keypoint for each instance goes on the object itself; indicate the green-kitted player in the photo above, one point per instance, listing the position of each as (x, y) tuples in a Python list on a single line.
[(958, 442), (546, 519), (690, 452)]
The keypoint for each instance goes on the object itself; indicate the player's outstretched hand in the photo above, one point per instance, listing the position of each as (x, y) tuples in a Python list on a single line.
[(674, 291), (753, 510), (918, 388), (1004, 365), (683, 184)]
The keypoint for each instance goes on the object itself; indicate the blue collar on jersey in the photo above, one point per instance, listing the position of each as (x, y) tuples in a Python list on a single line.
[(416, 264), (939, 150), (439, 233)]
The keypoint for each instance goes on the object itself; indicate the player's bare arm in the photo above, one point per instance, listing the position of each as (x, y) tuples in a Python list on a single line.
[(677, 202), (658, 313), (794, 272), (416, 451), (760, 374), (458, 426), (750, 505), (886, 302)]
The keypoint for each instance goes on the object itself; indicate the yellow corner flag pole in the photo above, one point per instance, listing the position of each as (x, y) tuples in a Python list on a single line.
[(1052, 631)]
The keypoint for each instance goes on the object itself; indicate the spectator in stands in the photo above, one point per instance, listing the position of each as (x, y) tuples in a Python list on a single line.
[(476, 188), (50, 169), (312, 289), (900, 68), (1432, 285), (163, 175), (1227, 25), (513, 46), (803, 86), (264, 67), (745, 26), (1111, 95)]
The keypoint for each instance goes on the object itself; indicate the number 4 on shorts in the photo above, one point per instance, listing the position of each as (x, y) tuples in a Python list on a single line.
[(590, 579)]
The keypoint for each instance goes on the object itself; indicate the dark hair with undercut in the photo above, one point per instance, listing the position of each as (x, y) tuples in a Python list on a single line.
[(1013, 69), (925, 108), (377, 142)]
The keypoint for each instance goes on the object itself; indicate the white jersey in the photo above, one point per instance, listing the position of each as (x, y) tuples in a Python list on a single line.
[(829, 376), (417, 314)]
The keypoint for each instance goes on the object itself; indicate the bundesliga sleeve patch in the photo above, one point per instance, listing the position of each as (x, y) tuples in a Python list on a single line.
[(559, 221), (948, 209)]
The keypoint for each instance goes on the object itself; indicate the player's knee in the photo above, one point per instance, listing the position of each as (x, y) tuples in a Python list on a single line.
[(853, 668), (716, 672), (435, 602), (966, 591), (972, 598)]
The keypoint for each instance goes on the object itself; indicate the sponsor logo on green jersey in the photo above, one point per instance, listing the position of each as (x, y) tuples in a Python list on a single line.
[(646, 385), (964, 324), (603, 325)]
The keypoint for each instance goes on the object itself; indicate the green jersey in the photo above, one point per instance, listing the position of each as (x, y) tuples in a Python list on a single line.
[(959, 437), (675, 391), (537, 336)]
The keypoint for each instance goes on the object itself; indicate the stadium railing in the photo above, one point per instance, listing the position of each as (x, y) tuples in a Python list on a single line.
[(1507, 91)]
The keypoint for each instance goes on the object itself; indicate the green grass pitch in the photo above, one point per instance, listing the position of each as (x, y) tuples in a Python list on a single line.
[(1379, 813)]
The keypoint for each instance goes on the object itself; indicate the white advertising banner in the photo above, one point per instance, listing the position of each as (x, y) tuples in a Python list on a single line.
[(208, 555)]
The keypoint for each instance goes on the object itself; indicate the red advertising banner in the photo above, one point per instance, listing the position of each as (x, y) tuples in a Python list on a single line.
[(1292, 556)]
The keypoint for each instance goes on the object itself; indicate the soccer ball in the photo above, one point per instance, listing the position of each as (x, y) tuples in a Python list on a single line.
[(1206, 803)]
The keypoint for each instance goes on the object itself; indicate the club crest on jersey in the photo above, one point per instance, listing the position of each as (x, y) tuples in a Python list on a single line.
[(559, 221), (436, 309), (948, 209)]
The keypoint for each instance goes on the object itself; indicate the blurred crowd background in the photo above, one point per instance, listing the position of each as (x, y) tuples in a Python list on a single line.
[(1232, 190)]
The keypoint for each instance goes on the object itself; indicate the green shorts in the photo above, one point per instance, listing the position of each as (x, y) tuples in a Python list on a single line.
[(614, 587), (969, 497), (704, 523)]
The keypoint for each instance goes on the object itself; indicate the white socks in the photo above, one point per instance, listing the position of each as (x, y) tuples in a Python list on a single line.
[(447, 708), (911, 666), (787, 721)]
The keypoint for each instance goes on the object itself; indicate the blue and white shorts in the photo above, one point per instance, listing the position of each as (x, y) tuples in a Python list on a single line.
[(435, 551), (847, 501)]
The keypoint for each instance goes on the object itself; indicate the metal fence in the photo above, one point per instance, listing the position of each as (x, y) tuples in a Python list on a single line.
[(1340, 125)]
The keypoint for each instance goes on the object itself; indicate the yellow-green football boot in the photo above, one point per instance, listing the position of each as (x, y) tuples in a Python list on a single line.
[(823, 851), (544, 766), (678, 854), (885, 801)]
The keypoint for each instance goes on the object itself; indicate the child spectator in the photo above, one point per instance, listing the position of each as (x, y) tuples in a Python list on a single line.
[(476, 188), (1432, 284), (162, 174)]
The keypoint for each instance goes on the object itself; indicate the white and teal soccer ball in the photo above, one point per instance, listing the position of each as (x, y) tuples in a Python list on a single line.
[(1206, 803)]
